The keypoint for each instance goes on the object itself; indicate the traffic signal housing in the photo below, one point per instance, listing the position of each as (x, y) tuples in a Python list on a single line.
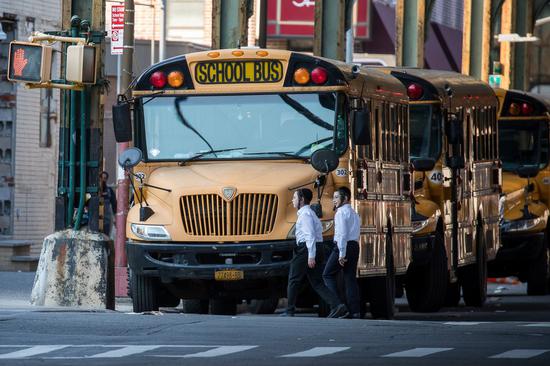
[(29, 62), (82, 64)]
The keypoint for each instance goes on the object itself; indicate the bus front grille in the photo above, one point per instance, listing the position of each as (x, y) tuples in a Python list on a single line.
[(211, 215)]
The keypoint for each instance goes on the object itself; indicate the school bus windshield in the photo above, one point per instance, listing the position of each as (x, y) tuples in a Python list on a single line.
[(246, 126), (523, 143), (425, 130)]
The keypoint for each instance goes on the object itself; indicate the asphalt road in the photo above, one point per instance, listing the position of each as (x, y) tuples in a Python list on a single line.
[(512, 329)]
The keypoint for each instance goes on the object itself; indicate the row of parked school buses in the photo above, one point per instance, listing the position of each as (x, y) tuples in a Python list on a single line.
[(449, 176)]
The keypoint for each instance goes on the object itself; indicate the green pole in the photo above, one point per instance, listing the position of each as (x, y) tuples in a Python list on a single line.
[(410, 34), (83, 120), (75, 26), (476, 39)]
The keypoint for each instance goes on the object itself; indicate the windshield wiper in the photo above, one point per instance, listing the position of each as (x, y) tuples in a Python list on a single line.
[(283, 153), (201, 154), (306, 112), (188, 125), (152, 96)]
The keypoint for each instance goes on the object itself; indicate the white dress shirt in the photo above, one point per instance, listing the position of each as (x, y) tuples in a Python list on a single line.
[(308, 229), (346, 227)]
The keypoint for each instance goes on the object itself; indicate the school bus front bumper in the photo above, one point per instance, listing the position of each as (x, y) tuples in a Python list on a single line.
[(212, 261)]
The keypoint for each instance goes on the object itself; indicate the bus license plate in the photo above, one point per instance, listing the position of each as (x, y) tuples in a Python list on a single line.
[(229, 275)]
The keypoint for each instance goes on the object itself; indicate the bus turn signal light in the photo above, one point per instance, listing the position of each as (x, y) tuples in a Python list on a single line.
[(158, 79), (301, 76), (514, 109), (319, 75), (175, 79), (415, 91)]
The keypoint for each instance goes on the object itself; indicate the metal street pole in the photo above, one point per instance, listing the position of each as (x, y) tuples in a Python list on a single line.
[(121, 275), (162, 40)]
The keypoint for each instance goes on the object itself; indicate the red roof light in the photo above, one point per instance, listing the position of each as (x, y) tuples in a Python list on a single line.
[(319, 75), (158, 79), (526, 109), (415, 91)]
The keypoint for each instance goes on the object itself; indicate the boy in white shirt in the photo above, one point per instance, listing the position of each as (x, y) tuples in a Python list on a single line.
[(345, 253), (308, 257)]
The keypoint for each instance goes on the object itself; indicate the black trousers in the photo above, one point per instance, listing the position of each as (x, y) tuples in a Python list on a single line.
[(350, 271), (299, 269)]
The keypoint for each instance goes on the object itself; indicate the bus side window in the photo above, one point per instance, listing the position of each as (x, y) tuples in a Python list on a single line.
[(377, 132)]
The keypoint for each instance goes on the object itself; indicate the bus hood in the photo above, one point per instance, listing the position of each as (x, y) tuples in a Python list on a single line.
[(213, 176), (514, 188)]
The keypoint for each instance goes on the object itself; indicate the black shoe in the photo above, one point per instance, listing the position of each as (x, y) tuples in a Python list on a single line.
[(339, 312), (287, 314)]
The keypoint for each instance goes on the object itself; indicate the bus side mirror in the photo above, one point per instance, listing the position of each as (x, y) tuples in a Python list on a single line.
[(130, 158), (453, 130), (324, 160), (360, 127), (122, 122), (423, 164)]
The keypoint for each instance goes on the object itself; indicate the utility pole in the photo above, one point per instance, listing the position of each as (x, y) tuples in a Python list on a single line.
[(230, 23), (329, 39), (121, 275), (476, 38), (75, 267), (411, 17)]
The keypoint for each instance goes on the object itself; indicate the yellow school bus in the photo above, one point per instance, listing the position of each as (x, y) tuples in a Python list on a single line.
[(455, 212), (524, 136), (222, 139)]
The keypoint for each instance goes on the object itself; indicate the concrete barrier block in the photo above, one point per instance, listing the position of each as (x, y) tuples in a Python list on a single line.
[(75, 269)]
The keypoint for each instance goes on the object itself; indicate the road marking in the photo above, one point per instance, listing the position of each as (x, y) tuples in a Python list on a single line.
[(464, 323), (220, 351), (123, 352), (521, 353), (417, 352), (32, 351), (547, 324), (317, 351)]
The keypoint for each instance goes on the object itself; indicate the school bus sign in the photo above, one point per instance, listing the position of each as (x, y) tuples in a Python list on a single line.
[(29, 62)]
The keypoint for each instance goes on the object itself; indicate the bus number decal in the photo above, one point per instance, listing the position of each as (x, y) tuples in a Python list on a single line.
[(436, 176), (341, 172), (239, 72)]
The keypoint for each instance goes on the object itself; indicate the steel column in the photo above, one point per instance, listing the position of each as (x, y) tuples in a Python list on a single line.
[(230, 23), (329, 39), (410, 32)]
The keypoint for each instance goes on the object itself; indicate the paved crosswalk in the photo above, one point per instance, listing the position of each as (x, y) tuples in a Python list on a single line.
[(218, 351)]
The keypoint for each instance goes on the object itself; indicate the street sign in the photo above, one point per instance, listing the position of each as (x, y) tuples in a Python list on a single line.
[(29, 62), (117, 29), (495, 80)]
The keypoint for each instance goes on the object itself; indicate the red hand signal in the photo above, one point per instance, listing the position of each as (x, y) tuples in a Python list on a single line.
[(19, 62)]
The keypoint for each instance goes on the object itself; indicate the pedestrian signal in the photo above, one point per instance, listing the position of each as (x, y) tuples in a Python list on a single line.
[(29, 62), (81, 64)]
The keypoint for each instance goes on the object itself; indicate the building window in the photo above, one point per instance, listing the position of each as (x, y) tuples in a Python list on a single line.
[(185, 20)]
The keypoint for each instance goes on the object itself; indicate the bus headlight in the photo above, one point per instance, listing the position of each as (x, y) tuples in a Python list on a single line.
[(326, 224), (520, 225), (150, 232)]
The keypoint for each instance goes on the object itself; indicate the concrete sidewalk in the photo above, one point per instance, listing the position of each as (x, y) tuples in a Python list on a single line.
[(15, 293)]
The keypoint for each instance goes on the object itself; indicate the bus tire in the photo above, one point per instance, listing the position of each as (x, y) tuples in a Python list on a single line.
[(426, 285), (195, 306), (223, 306), (537, 278), (452, 294), (144, 293), (167, 299), (263, 306), (382, 301), (474, 278)]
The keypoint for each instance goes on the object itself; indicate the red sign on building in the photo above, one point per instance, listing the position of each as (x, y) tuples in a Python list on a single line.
[(295, 18)]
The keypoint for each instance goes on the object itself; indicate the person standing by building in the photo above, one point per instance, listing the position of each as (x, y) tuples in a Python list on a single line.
[(345, 253), (308, 257)]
